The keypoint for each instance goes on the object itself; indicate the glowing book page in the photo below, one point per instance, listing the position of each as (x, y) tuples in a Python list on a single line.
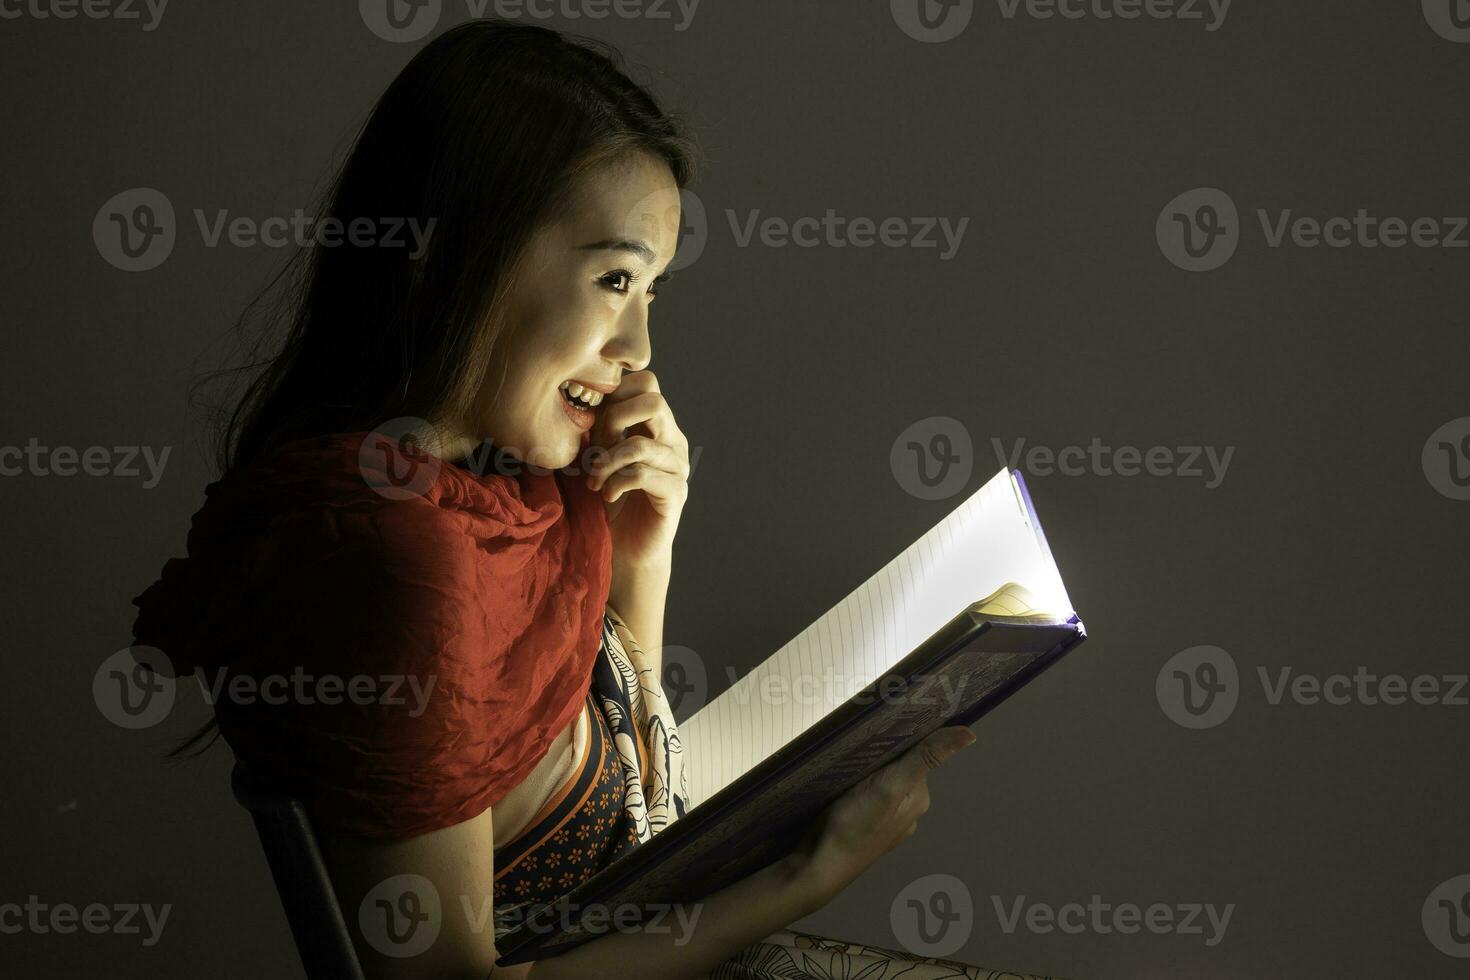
[(985, 543)]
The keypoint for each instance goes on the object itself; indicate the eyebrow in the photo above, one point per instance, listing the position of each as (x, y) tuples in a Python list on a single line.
[(640, 249)]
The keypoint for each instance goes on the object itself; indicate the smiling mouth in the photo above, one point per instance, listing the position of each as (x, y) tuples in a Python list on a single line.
[(579, 397)]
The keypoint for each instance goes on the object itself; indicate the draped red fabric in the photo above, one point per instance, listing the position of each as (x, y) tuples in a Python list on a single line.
[(412, 635)]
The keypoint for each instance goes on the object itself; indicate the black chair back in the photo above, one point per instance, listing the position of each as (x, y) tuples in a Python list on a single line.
[(301, 877)]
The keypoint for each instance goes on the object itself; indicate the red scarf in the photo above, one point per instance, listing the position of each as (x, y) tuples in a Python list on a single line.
[(322, 563)]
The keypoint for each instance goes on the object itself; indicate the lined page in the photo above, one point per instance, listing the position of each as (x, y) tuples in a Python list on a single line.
[(981, 545)]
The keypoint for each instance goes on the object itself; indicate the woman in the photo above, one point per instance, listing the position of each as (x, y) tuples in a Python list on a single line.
[(458, 479)]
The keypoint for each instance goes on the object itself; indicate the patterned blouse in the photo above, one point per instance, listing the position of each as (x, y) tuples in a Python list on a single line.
[(628, 784)]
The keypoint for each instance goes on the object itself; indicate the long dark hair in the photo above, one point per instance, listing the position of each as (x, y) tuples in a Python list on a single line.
[(484, 133)]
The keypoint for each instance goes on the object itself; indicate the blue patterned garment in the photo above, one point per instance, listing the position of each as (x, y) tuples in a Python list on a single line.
[(630, 785)]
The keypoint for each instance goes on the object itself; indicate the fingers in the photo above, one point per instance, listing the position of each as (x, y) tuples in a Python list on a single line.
[(655, 458), (885, 807), (649, 408), (942, 743), (637, 450), (906, 774), (916, 802), (633, 385), (638, 399), (666, 491)]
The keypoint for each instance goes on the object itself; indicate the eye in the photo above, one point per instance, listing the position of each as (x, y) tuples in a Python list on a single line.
[(621, 281), (618, 280)]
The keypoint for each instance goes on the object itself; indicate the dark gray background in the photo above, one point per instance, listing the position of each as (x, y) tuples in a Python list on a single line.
[(793, 370)]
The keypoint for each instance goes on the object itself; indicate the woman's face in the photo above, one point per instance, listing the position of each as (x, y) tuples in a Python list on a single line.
[(580, 310)]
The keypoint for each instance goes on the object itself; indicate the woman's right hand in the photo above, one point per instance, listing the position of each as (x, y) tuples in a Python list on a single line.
[(870, 819)]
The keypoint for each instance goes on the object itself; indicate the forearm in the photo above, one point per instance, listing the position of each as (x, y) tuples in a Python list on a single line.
[(639, 596), (712, 930)]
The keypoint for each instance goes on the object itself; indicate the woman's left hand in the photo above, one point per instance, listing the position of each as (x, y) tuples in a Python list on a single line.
[(643, 476)]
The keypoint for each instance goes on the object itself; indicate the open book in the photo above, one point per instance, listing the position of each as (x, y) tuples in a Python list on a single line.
[(940, 635)]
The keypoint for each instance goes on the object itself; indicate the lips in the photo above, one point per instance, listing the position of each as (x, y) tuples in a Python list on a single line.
[(577, 412)]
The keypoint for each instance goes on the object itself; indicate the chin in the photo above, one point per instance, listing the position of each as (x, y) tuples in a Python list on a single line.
[(553, 453)]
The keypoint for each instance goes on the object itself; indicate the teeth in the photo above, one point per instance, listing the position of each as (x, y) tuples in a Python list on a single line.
[(586, 396)]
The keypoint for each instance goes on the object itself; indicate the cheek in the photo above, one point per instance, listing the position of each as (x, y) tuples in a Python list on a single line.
[(569, 321)]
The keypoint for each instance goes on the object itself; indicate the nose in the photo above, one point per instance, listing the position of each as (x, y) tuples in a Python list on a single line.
[(629, 344)]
